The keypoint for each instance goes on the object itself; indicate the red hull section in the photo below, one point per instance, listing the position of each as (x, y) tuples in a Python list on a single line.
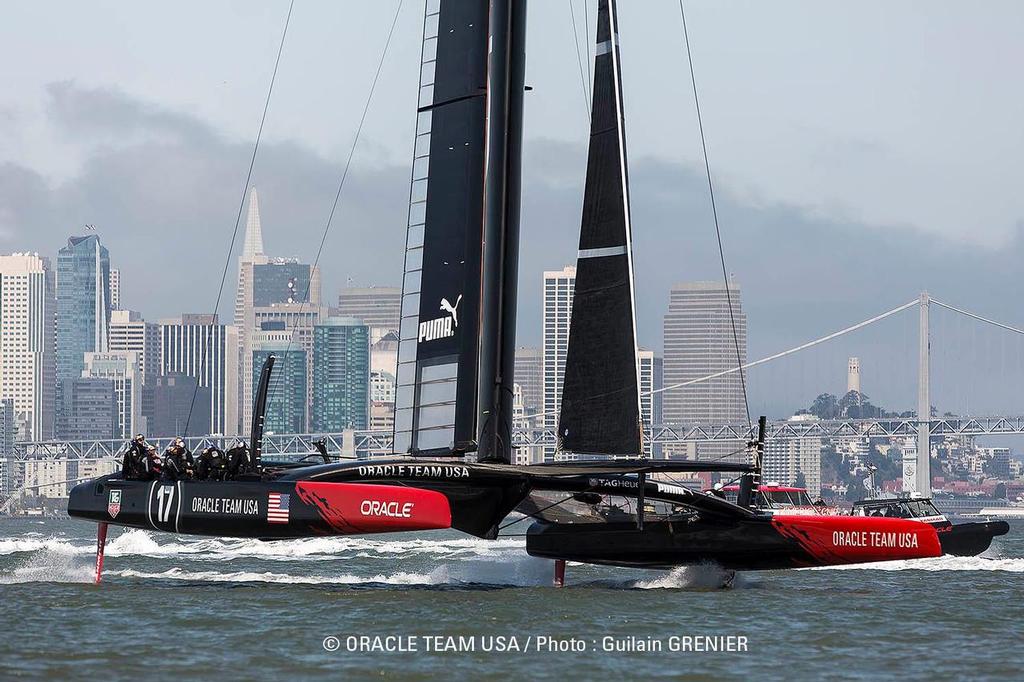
[(351, 508), (852, 539)]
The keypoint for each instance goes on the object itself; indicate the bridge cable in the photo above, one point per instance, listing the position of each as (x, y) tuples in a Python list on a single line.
[(341, 186), (714, 212), (977, 317), (776, 356), (238, 216)]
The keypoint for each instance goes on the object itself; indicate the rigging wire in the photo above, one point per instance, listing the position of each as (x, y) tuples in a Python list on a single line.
[(568, 498), (714, 212), (586, 34), (241, 207), (584, 80), (341, 183)]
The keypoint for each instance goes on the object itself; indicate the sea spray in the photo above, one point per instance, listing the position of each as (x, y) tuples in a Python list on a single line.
[(703, 576)]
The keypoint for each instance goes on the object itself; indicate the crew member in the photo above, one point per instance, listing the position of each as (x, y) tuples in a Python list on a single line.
[(321, 447), (238, 460), (212, 464), (152, 464), (133, 465), (178, 463)]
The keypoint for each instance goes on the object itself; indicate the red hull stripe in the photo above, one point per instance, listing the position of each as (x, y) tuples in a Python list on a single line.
[(351, 508), (854, 539)]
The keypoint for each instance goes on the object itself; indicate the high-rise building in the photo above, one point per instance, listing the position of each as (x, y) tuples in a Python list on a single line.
[(27, 310), (699, 341), (559, 287), (658, 401), (384, 354), (286, 399), (90, 406), (252, 254), (174, 396), (130, 332), (200, 347), (341, 375), (378, 307), (83, 311), (8, 428), (7, 432), (383, 381), (121, 368), (645, 360), (115, 289), (529, 374), (298, 319), (787, 460), (382, 388), (853, 375), (527, 454)]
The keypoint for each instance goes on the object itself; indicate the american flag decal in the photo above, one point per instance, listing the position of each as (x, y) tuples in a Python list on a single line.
[(277, 508)]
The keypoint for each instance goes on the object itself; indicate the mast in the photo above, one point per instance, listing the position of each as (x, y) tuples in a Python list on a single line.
[(600, 411), (502, 179), (457, 331)]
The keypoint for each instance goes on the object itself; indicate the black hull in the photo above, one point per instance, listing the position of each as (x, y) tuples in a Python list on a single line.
[(748, 545), (321, 500), (972, 538)]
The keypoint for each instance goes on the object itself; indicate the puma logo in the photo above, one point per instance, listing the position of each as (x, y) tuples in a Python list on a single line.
[(453, 309), (442, 327)]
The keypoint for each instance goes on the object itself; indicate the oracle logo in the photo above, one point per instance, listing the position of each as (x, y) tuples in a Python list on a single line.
[(398, 510)]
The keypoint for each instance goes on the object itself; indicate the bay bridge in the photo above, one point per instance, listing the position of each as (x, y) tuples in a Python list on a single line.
[(921, 426)]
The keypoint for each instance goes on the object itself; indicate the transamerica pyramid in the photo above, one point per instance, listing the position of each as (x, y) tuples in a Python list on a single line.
[(252, 254)]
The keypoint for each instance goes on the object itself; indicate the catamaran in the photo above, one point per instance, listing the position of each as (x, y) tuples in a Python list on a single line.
[(452, 466)]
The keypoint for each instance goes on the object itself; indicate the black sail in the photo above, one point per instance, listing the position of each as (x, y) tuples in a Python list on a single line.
[(600, 407), (442, 338)]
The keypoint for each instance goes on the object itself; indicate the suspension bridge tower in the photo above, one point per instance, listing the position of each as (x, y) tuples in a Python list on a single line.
[(917, 463)]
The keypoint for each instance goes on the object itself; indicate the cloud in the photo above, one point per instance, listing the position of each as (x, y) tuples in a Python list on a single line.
[(108, 114), (164, 188)]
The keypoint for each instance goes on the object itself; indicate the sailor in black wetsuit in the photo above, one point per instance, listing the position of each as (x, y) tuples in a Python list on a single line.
[(133, 465), (212, 465), (178, 464), (238, 460)]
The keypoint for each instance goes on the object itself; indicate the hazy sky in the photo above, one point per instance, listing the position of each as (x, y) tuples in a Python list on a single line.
[(862, 152)]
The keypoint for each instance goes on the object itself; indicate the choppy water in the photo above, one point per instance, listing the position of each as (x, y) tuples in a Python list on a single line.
[(244, 609)]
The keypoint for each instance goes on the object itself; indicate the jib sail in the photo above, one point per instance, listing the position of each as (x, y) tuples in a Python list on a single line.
[(600, 410)]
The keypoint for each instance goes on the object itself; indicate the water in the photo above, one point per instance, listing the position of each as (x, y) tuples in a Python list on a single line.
[(204, 608)]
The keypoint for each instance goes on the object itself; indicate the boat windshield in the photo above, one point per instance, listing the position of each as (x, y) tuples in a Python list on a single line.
[(776, 498), (922, 508), (787, 498), (901, 509)]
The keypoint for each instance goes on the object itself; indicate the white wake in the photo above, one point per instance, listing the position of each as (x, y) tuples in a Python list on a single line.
[(135, 542), (942, 563)]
